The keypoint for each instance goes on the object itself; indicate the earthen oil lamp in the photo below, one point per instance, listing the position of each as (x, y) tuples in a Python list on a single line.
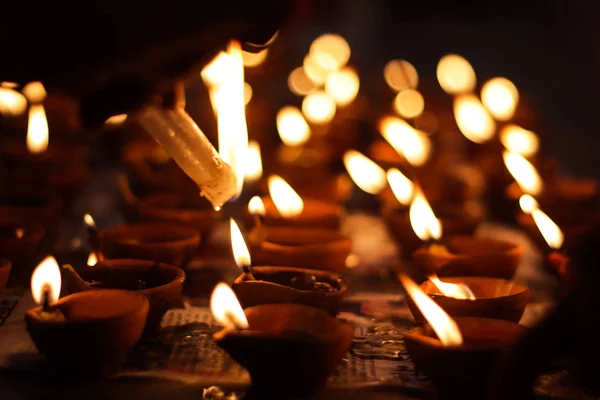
[(456, 354), (288, 349), (161, 283), (20, 242), (282, 284), (303, 247), (87, 333)]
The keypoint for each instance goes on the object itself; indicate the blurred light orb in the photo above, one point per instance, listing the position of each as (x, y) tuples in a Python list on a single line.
[(318, 107), (456, 75), (343, 86), (400, 75), (409, 103), (331, 51), (300, 83), (500, 96)]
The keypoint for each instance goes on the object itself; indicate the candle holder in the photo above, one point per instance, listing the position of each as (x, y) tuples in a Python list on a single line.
[(5, 267), (315, 214), (161, 242), (336, 188), (462, 371), (320, 249), (161, 283), (283, 285), (20, 243), (30, 207), (471, 256), (289, 349), (95, 332), (494, 298)]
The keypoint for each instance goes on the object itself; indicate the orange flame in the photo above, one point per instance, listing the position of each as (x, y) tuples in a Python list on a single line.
[(256, 206), (35, 92), (524, 173), (473, 119), (552, 234), (411, 143), (226, 308), (342, 86), (422, 219), (254, 170), (37, 130), (300, 83), (12, 103), (292, 127), (89, 221), (46, 278), (519, 140), (286, 200), (367, 175), (92, 259), (528, 203), (241, 254), (500, 96), (318, 107), (457, 291), (402, 187)]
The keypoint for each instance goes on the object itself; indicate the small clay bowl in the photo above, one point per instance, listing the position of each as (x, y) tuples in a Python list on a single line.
[(335, 188), (289, 349), (32, 207), (398, 223), (196, 211), (161, 283), (316, 214), (99, 328), (20, 243), (471, 256), (161, 242), (320, 249), (281, 285), (5, 267), (462, 371), (494, 298)]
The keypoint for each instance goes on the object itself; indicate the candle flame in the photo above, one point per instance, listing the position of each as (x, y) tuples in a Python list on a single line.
[(241, 255), (292, 127), (402, 187), (37, 130), (472, 118), (331, 51), (300, 83), (35, 92), (528, 203), (12, 103), (318, 107), (524, 173), (422, 219), (441, 323), (342, 86), (365, 173), (552, 234), (256, 206), (409, 103), (254, 170), (89, 221), (412, 144), (251, 60), (116, 119), (46, 277), (286, 200), (457, 291), (92, 259), (213, 74), (400, 75), (500, 96), (519, 140), (226, 308), (455, 74)]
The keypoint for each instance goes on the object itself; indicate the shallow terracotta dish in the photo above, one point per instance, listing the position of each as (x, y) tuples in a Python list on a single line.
[(316, 214)]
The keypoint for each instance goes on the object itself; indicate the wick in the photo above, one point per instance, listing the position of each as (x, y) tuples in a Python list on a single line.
[(248, 276), (46, 299)]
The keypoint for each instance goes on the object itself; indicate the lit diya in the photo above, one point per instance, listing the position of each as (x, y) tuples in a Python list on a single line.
[(288, 349), (456, 354), (304, 247), (87, 333), (283, 285)]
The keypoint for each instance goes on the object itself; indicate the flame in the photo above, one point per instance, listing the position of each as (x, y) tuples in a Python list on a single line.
[(318, 107), (254, 59), (455, 74), (367, 175), (226, 308), (292, 127), (352, 261), (286, 200), (9, 85), (552, 234), (116, 119), (500, 96), (331, 51), (409, 103), (400, 75), (441, 323), (247, 93), (519, 140), (314, 71), (37, 129), (233, 132), (402, 187), (46, 277), (254, 170), (92, 259), (12, 103), (35, 92), (458, 291), (342, 86), (19, 233), (89, 221), (241, 255), (473, 119), (422, 219), (411, 143), (213, 74), (300, 83), (524, 173), (528, 203), (256, 206)]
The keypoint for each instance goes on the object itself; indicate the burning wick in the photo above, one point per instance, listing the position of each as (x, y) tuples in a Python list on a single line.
[(457, 291), (45, 289), (240, 250), (226, 308), (46, 298), (423, 221)]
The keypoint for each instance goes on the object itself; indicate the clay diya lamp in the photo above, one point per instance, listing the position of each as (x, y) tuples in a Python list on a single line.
[(32, 207), (486, 298), (161, 242), (5, 267), (470, 256), (288, 349), (85, 334), (20, 242), (161, 283)]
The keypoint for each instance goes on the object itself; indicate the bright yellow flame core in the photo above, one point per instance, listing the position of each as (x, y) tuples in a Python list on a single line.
[(456, 75), (116, 119), (519, 140), (226, 308), (12, 103), (89, 221), (332, 49), (46, 277), (292, 127), (35, 92), (473, 119), (550, 231), (457, 291), (299, 82), (256, 206), (422, 219), (37, 129), (524, 173), (286, 200), (400, 75), (254, 59), (412, 144), (92, 259), (214, 72), (441, 323), (528, 203), (367, 175), (409, 103), (241, 255), (342, 86), (254, 169), (318, 107), (402, 187), (500, 96)]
